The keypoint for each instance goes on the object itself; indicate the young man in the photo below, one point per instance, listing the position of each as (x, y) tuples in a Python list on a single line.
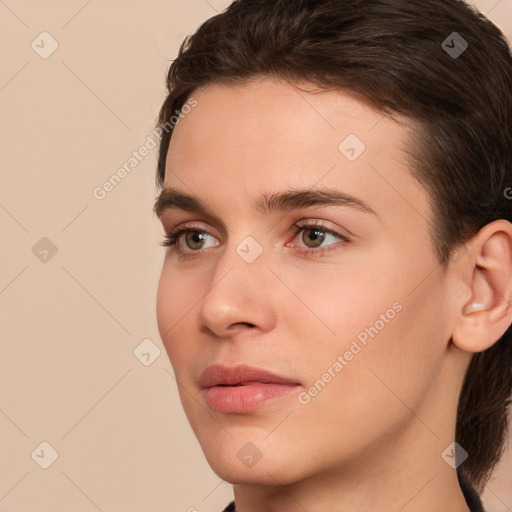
[(335, 296)]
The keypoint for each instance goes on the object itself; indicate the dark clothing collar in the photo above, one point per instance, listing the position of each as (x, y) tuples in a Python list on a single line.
[(230, 507), (471, 496)]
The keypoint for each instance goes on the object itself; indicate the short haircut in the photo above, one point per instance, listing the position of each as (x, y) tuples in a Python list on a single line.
[(439, 63)]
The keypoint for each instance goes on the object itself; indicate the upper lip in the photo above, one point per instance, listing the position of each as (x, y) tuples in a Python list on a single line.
[(218, 374)]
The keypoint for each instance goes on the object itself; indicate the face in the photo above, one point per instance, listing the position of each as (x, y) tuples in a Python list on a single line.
[(335, 291)]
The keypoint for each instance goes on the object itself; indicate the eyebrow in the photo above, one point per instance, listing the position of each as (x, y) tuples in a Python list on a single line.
[(283, 201)]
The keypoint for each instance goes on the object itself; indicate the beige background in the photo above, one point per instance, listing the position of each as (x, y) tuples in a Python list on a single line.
[(70, 323)]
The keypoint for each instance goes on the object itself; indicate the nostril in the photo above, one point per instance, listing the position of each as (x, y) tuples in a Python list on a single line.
[(239, 325)]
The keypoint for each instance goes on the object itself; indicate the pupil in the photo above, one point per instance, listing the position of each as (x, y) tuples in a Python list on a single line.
[(317, 237), (196, 237)]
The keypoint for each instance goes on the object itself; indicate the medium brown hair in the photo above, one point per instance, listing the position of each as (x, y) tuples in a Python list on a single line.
[(395, 53)]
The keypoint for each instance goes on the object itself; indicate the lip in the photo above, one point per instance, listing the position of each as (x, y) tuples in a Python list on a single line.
[(242, 388)]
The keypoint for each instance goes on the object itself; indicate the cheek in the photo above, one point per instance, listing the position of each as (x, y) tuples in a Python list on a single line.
[(378, 327), (332, 306), (174, 306), (400, 342), (379, 383)]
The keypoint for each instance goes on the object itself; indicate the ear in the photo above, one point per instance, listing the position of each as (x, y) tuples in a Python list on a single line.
[(484, 318)]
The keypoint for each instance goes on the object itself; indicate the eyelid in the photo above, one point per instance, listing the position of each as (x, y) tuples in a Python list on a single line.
[(200, 226), (324, 225), (192, 225)]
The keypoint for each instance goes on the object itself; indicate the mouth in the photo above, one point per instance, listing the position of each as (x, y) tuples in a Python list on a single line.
[(243, 388)]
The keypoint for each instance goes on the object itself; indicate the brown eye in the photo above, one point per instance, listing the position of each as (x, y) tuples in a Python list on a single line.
[(187, 241), (310, 239), (313, 236), (194, 239)]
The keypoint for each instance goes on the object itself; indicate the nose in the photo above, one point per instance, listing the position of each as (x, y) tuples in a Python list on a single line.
[(239, 296)]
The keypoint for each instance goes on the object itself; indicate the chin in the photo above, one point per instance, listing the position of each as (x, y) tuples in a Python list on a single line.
[(237, 467), (263, 474)]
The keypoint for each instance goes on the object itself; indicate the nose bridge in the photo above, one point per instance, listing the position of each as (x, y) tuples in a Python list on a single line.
[(238, 291), (243, 256)]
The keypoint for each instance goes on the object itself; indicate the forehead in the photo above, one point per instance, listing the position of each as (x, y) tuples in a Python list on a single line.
[(243, 140), (270, 118), (269, 110)]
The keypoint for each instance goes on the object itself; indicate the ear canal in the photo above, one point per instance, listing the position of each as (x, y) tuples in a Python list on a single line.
[(482, 293)]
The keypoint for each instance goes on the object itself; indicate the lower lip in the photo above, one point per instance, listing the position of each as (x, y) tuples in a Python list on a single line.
[(246, 397)]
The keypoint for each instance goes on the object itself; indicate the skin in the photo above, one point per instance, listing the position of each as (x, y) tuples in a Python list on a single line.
[(372, 439)]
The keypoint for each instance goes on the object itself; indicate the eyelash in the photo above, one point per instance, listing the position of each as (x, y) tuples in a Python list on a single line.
[(172, 238)]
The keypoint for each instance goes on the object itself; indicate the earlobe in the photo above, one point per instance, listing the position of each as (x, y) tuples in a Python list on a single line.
[(485, 317)]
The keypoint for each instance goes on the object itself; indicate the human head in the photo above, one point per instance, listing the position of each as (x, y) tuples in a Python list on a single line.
[(391, 53)]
